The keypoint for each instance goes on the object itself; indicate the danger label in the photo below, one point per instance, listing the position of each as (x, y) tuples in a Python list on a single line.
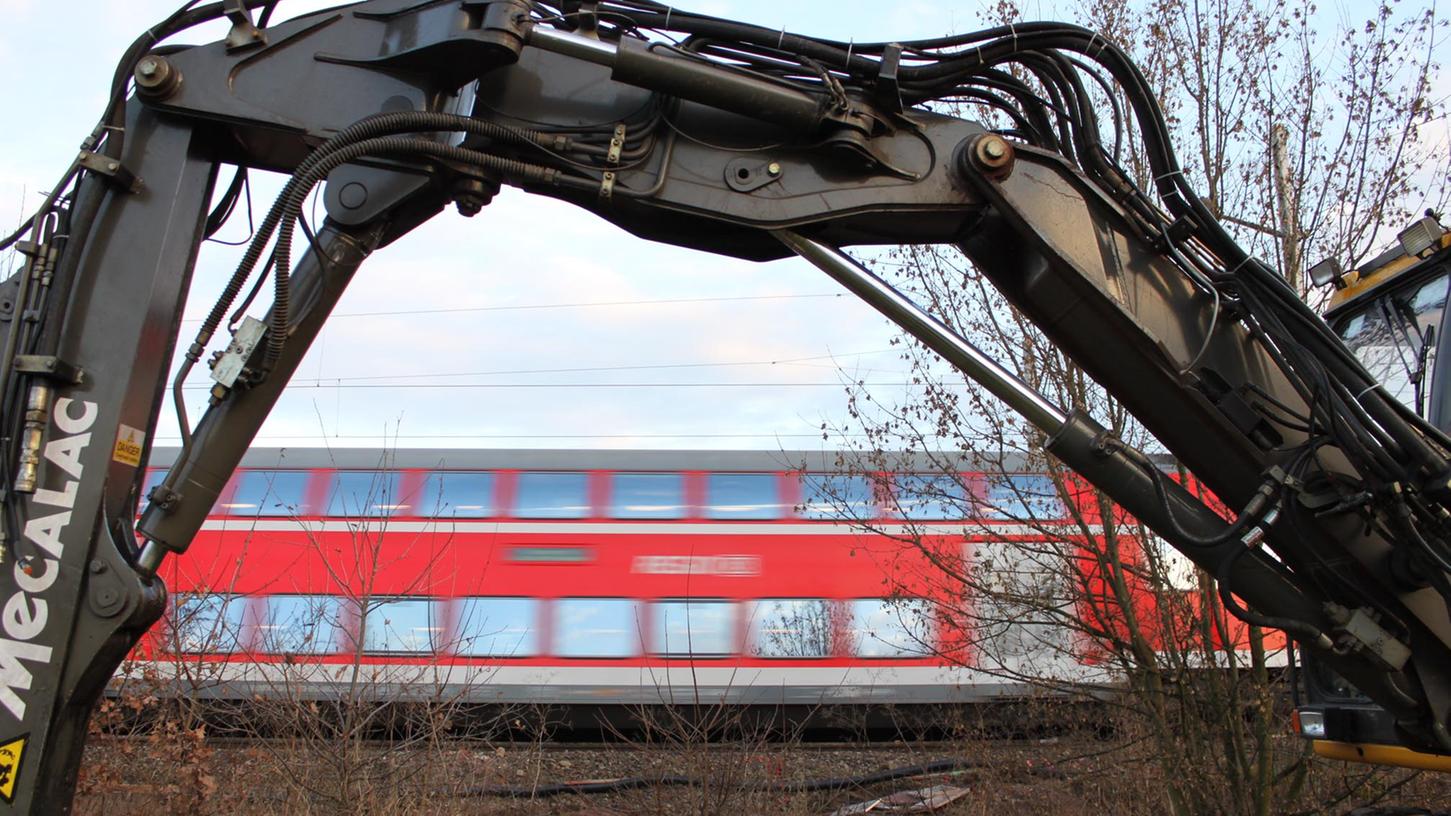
[(10, 755), (128, 446)]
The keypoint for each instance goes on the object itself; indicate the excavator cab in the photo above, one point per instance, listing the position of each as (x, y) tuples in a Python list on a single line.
[(1391, 313)]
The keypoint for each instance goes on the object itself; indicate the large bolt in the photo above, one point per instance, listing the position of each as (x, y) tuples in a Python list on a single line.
[(156, 77), (991, 155), (470, 195)]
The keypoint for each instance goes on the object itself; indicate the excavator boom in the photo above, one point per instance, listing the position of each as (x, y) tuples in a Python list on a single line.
[(716, 135)]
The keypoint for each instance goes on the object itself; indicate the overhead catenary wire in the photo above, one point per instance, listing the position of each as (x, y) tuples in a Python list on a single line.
[(480, 436), (525, 307), (325, 385)]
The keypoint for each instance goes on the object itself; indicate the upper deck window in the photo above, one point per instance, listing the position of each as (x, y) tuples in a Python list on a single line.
[(153, 478), (1023, 497), (931, 497), (552, 495), (840, 498), (647, 496), (743, 496), (456, 494), (368, 493), (269, 493)]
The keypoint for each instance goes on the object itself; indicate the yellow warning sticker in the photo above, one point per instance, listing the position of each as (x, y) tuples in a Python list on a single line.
[(128, 446), (10, 755)]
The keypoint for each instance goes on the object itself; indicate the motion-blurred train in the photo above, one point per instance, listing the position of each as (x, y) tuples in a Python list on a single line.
[(624, 577)]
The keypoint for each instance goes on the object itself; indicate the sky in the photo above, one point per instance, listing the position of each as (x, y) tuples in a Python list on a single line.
[(468, 332), (531, 325)]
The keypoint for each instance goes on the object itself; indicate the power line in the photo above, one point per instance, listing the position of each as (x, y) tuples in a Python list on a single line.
[(583, 305), (446, 386), (816, 435), (581, 370)]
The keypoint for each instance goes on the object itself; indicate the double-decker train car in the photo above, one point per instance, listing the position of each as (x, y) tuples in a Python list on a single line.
[(615, 577)]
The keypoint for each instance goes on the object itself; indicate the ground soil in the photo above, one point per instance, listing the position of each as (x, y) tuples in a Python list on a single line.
[(1064, 777)]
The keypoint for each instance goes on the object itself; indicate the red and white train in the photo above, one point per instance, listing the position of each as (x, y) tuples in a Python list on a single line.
[(607, 577)]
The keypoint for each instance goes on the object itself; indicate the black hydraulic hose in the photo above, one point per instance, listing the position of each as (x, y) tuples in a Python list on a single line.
[(1306, 632), (307, 175), (296, 191), (1377, 427), (804, 786), (373, 126), (1258, 511)]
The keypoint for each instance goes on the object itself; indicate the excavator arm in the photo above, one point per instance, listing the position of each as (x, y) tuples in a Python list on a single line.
[(710, 134)]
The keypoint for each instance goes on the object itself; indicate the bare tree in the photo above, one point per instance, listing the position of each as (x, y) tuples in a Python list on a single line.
[(1089, 596)]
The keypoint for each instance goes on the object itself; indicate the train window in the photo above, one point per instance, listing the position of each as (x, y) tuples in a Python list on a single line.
[(298, 624), (400, 626), (596, 627), (269, 493), (497, 627), (1021, 595), (1025, 496), (842, 498), (791, 628), (153, 478), (692, 628), (368, 493), (552, 495), (457, 494), (1172, 567), (930, 497), (647, 496), (743, 496), (893, 627), (210, 624)]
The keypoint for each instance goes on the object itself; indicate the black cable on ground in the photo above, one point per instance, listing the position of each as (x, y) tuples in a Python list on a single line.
[(804, 786)]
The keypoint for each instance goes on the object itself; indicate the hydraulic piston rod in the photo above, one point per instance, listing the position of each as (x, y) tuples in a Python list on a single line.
[(1123, 473), (935, 334)]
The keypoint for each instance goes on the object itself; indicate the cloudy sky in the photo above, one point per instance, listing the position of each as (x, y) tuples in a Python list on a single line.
[(533, 324)]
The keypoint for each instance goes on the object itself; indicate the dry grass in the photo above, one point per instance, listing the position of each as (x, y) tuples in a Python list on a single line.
[(171, 770)]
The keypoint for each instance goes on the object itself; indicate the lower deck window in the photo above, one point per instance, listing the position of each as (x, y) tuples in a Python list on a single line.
[(497, 627), (298, 624), (403, 626), (207, 624), (692, 628), (890, 628), (596, 627), (790, 628)]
